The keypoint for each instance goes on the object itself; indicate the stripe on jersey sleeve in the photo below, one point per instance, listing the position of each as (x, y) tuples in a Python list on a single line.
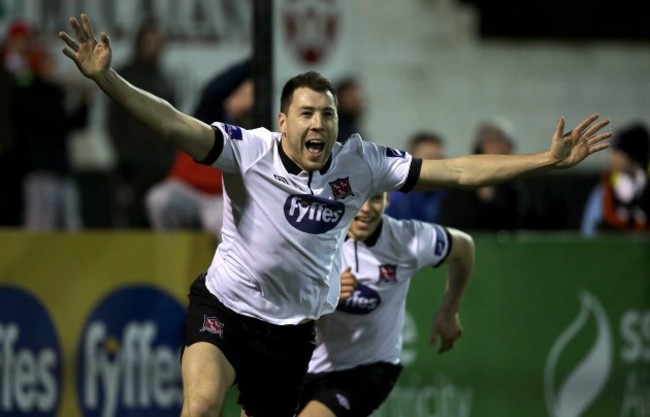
[(216, 150), (440, 232), (413, 176)]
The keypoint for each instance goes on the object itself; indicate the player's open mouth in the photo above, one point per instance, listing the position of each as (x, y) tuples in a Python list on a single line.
[(363, 219), (315, 147)]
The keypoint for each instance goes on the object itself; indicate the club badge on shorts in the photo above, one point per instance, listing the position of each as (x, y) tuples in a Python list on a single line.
[(212, 325)]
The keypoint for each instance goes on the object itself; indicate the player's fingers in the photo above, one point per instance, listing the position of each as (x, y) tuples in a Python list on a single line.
[(345, 295), (584, 129), (446, 345), (106, 40), (598, 148), (559, 127), (68, 52), (595, 128), (586, 122), (600, 137), (87, 27), (78, 32), (347, 278), (593, 142), (69, 41)]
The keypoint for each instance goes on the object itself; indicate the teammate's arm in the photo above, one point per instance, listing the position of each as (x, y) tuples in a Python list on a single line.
[(94, 61), (567, 150), (446, 323)]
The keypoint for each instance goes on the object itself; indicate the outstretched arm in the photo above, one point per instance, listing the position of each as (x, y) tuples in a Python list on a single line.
[(446, 323), (567, 150), (94, 61)]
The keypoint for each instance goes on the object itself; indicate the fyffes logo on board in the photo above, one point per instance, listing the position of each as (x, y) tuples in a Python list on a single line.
[(30, 357), (128, 362), (572, 396)]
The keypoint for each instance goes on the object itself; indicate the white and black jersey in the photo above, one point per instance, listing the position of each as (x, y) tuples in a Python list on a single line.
[(367, 327), (283, 227)]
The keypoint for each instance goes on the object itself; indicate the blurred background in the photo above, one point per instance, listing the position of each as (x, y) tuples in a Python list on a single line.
[(560, 308), (438, 65)]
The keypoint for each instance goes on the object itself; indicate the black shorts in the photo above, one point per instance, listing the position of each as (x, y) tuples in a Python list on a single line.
[(270, 361), (354, 392)]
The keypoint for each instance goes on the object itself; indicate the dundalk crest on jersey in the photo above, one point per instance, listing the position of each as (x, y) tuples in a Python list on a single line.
[(388, 274), (341, 188)]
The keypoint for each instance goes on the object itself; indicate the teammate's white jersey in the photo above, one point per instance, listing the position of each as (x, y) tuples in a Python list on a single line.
[(283, 227), (367, 327)]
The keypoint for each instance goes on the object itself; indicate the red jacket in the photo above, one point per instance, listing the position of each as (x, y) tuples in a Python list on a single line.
[(201, 177)]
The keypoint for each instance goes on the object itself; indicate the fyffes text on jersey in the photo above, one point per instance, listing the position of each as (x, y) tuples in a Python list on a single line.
[(313, 214)]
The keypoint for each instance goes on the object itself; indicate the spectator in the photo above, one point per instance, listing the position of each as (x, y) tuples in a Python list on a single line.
[(621, 201), (11, 170), (15, 51), (191, 195), (425, 205), (189, 198), (43, 125), (492, 208), (139, 165), (350, 107)]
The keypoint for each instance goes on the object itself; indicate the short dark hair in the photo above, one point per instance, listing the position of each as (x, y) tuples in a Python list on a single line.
[(425, 136), (345, 84), (148, 25), (490, 130), (310, 79), (634, 141)]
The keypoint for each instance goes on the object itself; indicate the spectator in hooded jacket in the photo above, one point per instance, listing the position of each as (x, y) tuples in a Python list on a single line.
[(620, 202)]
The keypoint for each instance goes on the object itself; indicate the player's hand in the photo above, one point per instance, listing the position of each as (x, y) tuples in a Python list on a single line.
[(348, 283), (92, 58), (570, 148), (447, 328)]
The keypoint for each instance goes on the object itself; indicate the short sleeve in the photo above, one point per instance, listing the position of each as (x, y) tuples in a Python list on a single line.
[(429, 243), (241, 147), (392, 169)]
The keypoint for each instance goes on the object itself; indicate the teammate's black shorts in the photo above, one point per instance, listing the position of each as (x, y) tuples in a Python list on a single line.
[(270, 361), (354, 392)]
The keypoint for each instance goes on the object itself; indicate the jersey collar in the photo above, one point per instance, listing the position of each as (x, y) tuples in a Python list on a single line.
[(293, 168)]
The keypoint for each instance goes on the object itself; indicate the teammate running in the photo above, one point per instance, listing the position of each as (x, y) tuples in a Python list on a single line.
[(357, 359)]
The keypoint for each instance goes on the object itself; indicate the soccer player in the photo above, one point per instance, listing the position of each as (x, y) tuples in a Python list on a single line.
[(289, 197), (357, 359)]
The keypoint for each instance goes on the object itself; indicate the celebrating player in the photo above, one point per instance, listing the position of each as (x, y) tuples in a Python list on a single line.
[(289, 197), (357, 359)]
